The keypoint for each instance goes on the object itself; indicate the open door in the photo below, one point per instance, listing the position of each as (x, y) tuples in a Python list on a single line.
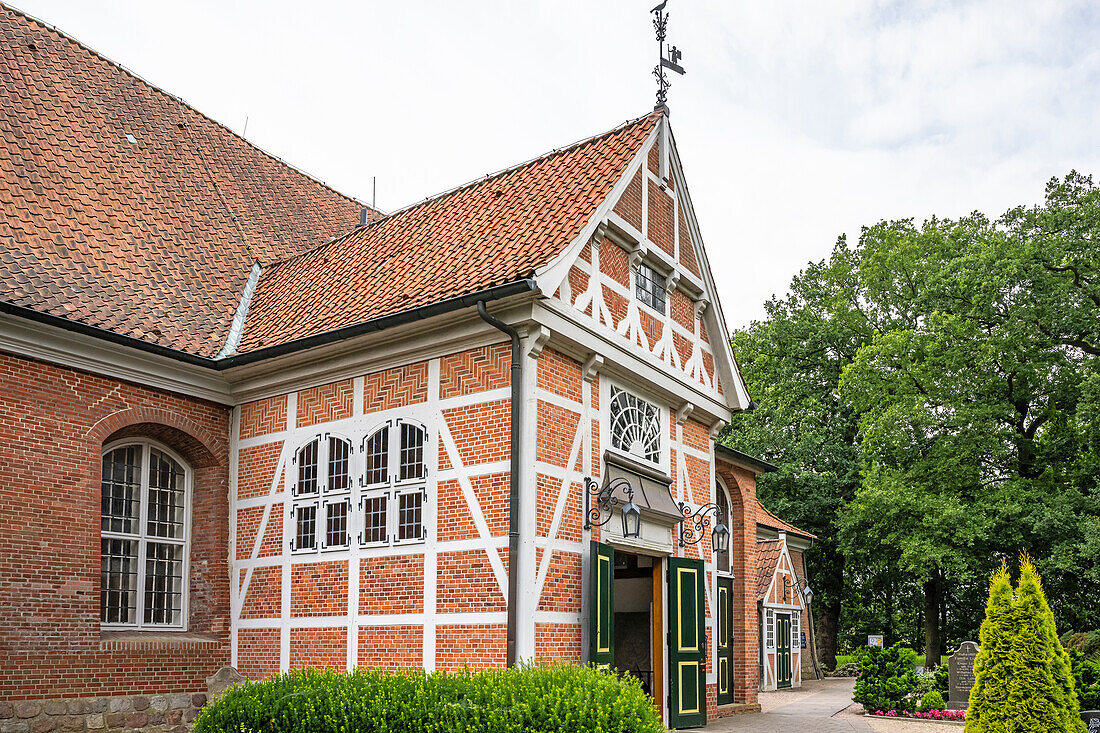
[(725, 641), (601, 634), (782, 650), (687, 644)]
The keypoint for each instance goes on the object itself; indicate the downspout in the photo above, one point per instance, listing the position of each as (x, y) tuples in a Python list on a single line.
[(513, 478)]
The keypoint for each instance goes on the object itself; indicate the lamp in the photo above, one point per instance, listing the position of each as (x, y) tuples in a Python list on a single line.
[(808, 594), (720, 538), (632, 520)]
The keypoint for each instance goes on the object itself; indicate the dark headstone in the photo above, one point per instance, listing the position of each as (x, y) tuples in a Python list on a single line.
[(1092, 720), (960, 675)]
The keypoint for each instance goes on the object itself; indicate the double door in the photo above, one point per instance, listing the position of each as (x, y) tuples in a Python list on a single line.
[(686, 642), (782, 650)]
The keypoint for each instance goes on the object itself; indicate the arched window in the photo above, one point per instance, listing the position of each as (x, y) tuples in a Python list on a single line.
[(322, 494), (394, 490), (635, 426), (722, 517), (144, 523)]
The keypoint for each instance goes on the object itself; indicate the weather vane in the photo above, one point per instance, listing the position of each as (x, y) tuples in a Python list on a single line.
[(669, 61)]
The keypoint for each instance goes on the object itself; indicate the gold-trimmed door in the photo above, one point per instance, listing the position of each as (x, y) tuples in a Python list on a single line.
[(601, 632), (687, 644), (724, 631), (782, 650)]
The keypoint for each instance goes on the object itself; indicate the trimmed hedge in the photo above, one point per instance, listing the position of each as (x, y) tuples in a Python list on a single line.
[(544, 698)]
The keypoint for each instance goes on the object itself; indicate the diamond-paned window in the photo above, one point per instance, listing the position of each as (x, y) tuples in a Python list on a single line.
[(635, 426), (144, 505)]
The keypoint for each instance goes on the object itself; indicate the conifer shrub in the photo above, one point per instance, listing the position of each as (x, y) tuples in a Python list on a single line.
[(932, 700), (940, 680), (1023, 680), (539, 698), (885, 680)]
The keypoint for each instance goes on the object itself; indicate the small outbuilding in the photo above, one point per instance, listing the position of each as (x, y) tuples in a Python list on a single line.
[(783, 596)]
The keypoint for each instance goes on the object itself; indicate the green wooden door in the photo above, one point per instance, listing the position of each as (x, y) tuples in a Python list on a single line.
[(687, 646), (782, 650), (725, 641), (601, 609)]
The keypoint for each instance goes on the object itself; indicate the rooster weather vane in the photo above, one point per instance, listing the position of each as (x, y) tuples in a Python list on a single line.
[(670, 61)]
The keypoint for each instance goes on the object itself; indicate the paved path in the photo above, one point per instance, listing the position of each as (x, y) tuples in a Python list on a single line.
[(811, 711)]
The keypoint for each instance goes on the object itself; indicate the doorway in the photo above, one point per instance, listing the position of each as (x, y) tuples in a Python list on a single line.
[(633, 602), (782, 650)]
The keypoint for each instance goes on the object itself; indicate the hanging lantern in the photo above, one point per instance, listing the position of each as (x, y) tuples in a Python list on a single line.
[(720, 538), (808, 594), (632, 520)]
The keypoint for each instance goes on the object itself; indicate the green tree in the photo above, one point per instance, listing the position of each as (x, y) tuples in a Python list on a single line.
[(792, 362)]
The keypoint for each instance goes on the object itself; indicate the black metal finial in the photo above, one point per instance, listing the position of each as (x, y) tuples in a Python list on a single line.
[(671, 61)]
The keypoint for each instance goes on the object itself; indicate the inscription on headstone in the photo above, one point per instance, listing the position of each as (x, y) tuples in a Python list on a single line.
[(1092, 720), (960, 675)]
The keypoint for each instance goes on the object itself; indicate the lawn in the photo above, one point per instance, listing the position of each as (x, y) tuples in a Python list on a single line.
[(842, 659)]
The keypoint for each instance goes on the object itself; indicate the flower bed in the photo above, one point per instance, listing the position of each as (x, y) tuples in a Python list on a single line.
[(953, 715)]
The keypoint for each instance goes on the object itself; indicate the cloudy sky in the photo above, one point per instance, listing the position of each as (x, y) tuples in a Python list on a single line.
[(796, 122)]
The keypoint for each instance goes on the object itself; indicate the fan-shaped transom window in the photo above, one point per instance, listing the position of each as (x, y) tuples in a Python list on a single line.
[(322, 494), (635, 426), (144, 513)]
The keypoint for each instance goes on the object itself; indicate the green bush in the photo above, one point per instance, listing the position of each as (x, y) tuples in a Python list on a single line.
[(1023, 680), (1086, 678), (940, 680), (545, 698), (885, 678), (932, 700)]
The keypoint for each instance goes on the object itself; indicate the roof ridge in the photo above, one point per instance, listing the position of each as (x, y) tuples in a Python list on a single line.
[(469, 184), (180, 101)]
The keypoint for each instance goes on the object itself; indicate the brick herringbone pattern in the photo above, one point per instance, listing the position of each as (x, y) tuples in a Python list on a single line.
[(475, 370), (406, 385), (263, 416), (325, 403)]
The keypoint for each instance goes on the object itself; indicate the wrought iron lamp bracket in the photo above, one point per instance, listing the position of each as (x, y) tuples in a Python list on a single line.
[(700, 519), (598, 500)]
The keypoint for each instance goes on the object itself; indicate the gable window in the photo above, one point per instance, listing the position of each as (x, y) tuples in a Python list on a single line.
[(322, 494), (144, 513), (635, 426), (393, 497), (651, 287)]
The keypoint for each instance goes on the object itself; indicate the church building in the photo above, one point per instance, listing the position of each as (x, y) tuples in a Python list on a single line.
[(476, 431)]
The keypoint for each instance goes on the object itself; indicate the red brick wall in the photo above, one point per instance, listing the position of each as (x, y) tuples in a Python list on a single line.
[(558, 642), (742, 489), (660, 218), (465, 582), (391, 647), (319, 588), (258, 652), (476, 645), (391, 585), (629, 205), (325, 648), (53, 424)]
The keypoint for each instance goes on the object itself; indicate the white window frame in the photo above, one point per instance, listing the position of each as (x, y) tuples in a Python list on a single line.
[(323, 496), (662, 425), (394, 486), (769, 629), (654, 273), (796, 632), (143, 538)]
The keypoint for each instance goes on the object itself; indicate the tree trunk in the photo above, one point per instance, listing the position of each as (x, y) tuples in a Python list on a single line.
[(933, 589), (828, 623)]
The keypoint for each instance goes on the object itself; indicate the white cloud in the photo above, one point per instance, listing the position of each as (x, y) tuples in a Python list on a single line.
[(796, 121)]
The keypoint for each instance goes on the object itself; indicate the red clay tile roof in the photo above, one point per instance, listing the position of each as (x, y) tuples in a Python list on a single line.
[(496, 230), (770, 520), (125, 209), (768, 553)]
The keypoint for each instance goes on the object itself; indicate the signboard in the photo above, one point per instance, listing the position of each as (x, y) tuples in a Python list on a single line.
[(1092, 720), (803, 639), (874, 640)]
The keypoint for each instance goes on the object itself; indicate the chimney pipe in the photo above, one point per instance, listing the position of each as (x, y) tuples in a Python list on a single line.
[(363, 216)]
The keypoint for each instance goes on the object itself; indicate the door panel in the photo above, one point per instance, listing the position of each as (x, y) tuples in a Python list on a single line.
[(687, 644), (725, 641), (783, 649), (601, 609)]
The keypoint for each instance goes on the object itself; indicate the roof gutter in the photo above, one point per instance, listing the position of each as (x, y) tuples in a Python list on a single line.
[(496, 292), (513, 478)]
